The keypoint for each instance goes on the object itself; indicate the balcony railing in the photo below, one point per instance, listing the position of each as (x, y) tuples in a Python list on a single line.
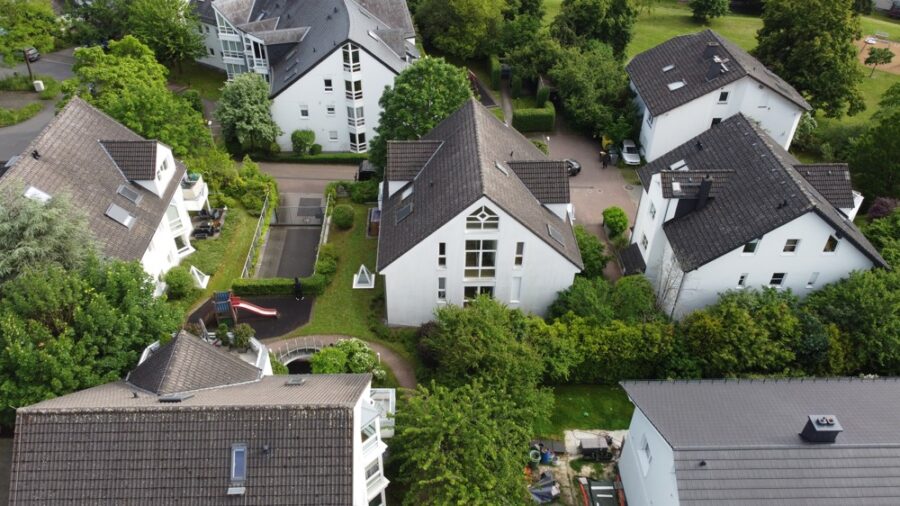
[(358, 147), (376, 484), (176, 226), (354, 95), (351, 67), (356, 122)]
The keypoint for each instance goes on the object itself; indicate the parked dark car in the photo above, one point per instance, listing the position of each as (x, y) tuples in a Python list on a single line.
[(572, 167), (32, 54), (365, 172)]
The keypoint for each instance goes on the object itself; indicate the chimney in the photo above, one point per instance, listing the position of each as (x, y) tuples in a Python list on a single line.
[(821, 429), (711, 50), (703, 193)]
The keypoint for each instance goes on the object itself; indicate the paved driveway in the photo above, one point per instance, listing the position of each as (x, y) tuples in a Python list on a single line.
[(306, 178), (57, 65)]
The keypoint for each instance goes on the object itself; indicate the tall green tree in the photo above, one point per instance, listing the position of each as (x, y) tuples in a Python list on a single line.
[(875, 158), (809, 43), (35, 233), (130, 85), (423, 95), (706, 10), (879, 56), (884, 233), (536, 56), (26, 23), (97, 20), (245, 112), (168, 27), (607, 21), (461, 28)]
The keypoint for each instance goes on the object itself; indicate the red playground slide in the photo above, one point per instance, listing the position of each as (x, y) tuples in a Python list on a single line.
[(253, 308)]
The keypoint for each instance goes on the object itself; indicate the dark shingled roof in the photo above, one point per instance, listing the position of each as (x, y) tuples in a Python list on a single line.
[(300, 33), (73, 162), (136, 159), (406, 158), (548, 180), (690, 180), (461, 172), (747, 432), (763, 192), (204, 11), (186, 363), (632, 260), (832, 180), (692, 57)]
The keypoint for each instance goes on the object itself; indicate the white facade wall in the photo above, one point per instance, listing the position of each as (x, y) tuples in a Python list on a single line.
[(309, 90), (411, 281), (364, 456), (776, 115), (647, 481), (213, 55)]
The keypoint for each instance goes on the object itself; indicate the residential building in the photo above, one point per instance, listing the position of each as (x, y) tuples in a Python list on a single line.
[(731, 209), (195, 424), (134, 193), (473, 208), (794, 442), (327, 62), (692, 82)]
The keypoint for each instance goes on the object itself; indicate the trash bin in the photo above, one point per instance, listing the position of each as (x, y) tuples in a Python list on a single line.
[(38, 86)]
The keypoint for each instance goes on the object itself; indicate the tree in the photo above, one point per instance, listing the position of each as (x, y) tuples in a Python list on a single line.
[(245, 112), (130, 85), (879, 56), (168, 27), (532, 8), (461, 28), (875, 157), (884, 233), (26, 23), (589, 298), (607, 21), (98, 20), (592, 253), (809, 43), (423, 95), (65, 330), (633, 300), (536, 56), (705, 10), (347, 356), (518, 32), (40, 234), (461, 446)]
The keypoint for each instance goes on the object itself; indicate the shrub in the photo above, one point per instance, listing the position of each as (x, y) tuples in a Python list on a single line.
[(222, 334), (535, 120), (543, 93), (616, 221), (330, 251), (312, 285), (192, 97), (13, 116), (541, 145), (242, 334), (495, 72), (179, 282), (343, 216), (326, 265), (515, 85), (277, 367), (315, 149), (592, 253), (363, 191), (302, 141), (882, 207)]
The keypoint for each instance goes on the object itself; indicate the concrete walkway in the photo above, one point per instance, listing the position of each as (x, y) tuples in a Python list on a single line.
[(402, 369)]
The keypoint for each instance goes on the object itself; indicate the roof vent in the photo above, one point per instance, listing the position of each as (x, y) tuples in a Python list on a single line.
[(36, 155), (169, 398), (821, 429), (501, 168), (699, 146), (676, 188), (294, 381), (676, 85), (668, 68)]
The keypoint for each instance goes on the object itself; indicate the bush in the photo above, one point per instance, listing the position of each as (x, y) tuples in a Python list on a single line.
[(882, 207), (543, 93), (312, 285), (326, 265), (535, 120), (362, 192), (615, 220), (592, 253), (14, 116), (343, 216), (222, 334), (541, 145), (315, 149), (241, 336), (179, 282), (494, 63), (515, 85), (302, 141), (277, 367), (192, 97)]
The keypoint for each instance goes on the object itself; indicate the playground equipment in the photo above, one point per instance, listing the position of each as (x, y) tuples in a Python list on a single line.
[(226, 305)]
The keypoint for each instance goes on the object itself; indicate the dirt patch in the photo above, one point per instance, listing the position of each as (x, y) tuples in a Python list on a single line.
[(863, 53)]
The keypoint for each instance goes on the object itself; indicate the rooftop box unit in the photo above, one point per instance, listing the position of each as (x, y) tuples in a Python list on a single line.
[(821, 429)]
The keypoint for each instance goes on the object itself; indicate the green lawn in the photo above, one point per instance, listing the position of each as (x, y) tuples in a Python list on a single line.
[(587, 407), (207, 81)]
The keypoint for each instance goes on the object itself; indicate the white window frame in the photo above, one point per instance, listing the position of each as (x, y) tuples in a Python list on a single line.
[(644, 241), (479, 289), (237, 449), (781, 280), (482, 219), (742, 281), (645, 455), (755, 245), (333, 135), (442, 289), (519, 259), (483, 249), (793, 244), (330, 110), (328, 87), (442, 255), (304, 111)]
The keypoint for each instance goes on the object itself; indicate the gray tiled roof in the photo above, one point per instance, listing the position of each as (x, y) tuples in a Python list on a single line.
[(548, 180), (105, 446), (136, 159), (746, 433), (693, 62), (690, 182), (462, 171), (204, 11), (763, 192), (832, 180), (187, 363), (73, 161), (406, 158), (313, 29)]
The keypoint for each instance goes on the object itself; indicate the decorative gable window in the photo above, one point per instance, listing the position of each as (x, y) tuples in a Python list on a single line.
[(482, 219), (238, 462)]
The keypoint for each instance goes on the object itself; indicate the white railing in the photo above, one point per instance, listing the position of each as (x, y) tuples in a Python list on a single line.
[(351, 67), (354, 95), (248, 263), (356, 122), (358, 147)]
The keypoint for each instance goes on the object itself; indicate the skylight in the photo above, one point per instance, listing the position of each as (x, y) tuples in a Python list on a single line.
[(120, 215), (129, 194), (676, 85), (679, 165), (406, 193), (35, 194), (403, 212), (555, 234), (668, 68)]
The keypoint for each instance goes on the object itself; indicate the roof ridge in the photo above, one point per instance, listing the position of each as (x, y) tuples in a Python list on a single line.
[(479, 145)]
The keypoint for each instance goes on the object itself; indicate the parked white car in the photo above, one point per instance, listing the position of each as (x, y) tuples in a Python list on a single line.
[(630, 153)]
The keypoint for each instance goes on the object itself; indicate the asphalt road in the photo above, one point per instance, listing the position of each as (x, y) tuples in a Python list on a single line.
[(57, 65)]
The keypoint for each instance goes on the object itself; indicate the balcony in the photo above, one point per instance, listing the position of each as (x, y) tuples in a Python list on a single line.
[(375, 485), (351, 67), (354, 95), (356, 122), (194, 191)]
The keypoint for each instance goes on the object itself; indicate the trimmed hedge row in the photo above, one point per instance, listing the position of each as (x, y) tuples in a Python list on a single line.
[(312, 285), (326, 158), (494, 63), (535, 120)]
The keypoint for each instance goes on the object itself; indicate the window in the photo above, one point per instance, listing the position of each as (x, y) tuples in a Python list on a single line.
[(482, 219), (652, 211), (515, 289), (376, 501), (304, 111), (212, 52), (351, 58), (481, 259), (649, 119), (645, 456), (777, 279), (472, 292), (329, 85), (790, 246), (442, 290), (750, 247), (716, 121), (644, 241), (367, 432), (831, 244), (355, 116), (358, 142), (353, 89), (333, 135), (373, 470), (442, 255), (812, 280), (329, 109), (520, 254), (742, 281), (723, 97), (238, 462)]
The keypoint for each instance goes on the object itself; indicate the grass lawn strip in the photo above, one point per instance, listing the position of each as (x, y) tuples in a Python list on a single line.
[(207, 81), (10, 117), (587, 407)]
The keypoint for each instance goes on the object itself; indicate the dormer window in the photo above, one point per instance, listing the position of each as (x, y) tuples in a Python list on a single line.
[(238, 462), (482, 219)]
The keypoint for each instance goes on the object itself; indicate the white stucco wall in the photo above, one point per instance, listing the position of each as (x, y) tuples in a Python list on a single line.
[(778, 116), (310, 91), (411, 281), (652, 484), (362, 459), (211, 41)]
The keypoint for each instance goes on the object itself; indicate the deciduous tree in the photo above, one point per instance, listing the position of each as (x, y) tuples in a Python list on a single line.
[(245, 112), (97, 21), (168, 27), (705, 10), (879, 56), (26, 23), (875, 158), (607, 21), (461, 28)]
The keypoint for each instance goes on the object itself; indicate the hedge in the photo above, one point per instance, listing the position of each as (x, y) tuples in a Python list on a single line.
[(325, 158), (494, 63), (543, 93), (312, 285), (515, 85), (535, 120)]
